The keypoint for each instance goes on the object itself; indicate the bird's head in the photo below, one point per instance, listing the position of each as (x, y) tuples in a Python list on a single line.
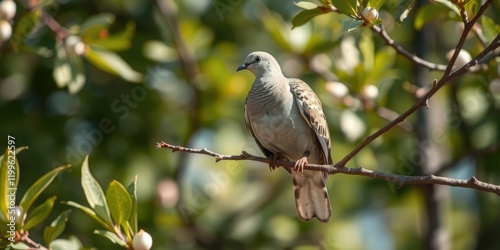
[(261, 63)]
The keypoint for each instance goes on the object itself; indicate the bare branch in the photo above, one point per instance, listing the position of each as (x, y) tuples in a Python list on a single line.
[(401, 180), (400, 50)]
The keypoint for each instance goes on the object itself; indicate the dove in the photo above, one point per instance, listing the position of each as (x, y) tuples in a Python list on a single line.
[(286, 119)]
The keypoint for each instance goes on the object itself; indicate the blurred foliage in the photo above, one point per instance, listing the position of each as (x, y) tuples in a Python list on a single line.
[(127, 90)]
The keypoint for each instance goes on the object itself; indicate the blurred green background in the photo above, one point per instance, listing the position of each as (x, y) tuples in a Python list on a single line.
[(189, 201)]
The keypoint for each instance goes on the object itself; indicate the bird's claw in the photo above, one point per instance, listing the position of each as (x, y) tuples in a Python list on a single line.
[(272, 161), (300, 164)]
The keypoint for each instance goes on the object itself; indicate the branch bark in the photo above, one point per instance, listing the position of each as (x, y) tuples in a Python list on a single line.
[(401, 180)]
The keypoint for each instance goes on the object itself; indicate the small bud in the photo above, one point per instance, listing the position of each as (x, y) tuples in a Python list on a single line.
[(369, 92), (7, 9), (18, 211), (370, 13), (5, 31), (463, 57), (142, 241), (337, 89), (74, 45)]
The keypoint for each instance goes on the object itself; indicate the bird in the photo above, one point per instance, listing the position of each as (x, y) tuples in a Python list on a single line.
[(286, 119)]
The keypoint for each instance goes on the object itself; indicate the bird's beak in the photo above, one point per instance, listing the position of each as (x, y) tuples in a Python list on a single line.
[(242, 67)]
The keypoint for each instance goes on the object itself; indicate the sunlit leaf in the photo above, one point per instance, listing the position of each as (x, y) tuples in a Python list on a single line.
[(55, 228), (304, 16), (112, 63), (111, 236), (383, 66), (119, 202), (9, 174), (115, 42), (376, 3), (7, 184), (37, 188), (306, 5), (40, 213), (367, 49), (491, 29), (132, 190), (20, 246), (88, 211), (348, 7), (403, 9), (64, 244), (96, 22), (94, 194)]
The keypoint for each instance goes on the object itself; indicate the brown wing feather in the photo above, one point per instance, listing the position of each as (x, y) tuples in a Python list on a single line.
[(312, 111)]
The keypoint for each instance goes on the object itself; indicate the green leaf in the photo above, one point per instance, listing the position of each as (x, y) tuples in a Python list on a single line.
[(132, 190), (383, 66), (449, 5), (89, 212), (376, 3), (40, 213), (62, 244), (68, 71), (111, 236), (306, 5), (403, 9), (96, 22), (425, 14), (37, 188), (9, 178), (112, 63), (94, 194), (367, 49), (490, 28), (25, 27), (351, 24), (347, 7), (304, 16), (119, 202), (115, 42), (56, 227), (20, 246)]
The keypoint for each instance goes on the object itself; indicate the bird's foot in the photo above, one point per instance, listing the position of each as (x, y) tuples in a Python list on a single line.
[(272, 161), (299, 165)]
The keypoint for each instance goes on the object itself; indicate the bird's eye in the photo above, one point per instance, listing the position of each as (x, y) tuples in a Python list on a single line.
[(257, 59)]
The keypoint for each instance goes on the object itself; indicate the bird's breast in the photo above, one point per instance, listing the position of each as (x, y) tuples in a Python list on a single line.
[(281, 128)]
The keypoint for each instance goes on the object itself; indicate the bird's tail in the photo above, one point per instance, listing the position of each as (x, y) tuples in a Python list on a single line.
[(311, 195)]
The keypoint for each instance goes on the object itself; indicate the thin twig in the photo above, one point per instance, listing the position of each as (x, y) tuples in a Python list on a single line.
[(401, 180), (400, 50)]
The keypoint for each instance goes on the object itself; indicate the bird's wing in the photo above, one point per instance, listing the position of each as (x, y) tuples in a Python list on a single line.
[(312, 111)]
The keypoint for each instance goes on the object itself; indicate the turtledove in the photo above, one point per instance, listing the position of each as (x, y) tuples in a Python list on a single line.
[(286, 119)]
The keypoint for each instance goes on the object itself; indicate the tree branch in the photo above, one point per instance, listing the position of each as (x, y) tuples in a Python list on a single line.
[(425, 99), (401, 180), (400, 50)]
